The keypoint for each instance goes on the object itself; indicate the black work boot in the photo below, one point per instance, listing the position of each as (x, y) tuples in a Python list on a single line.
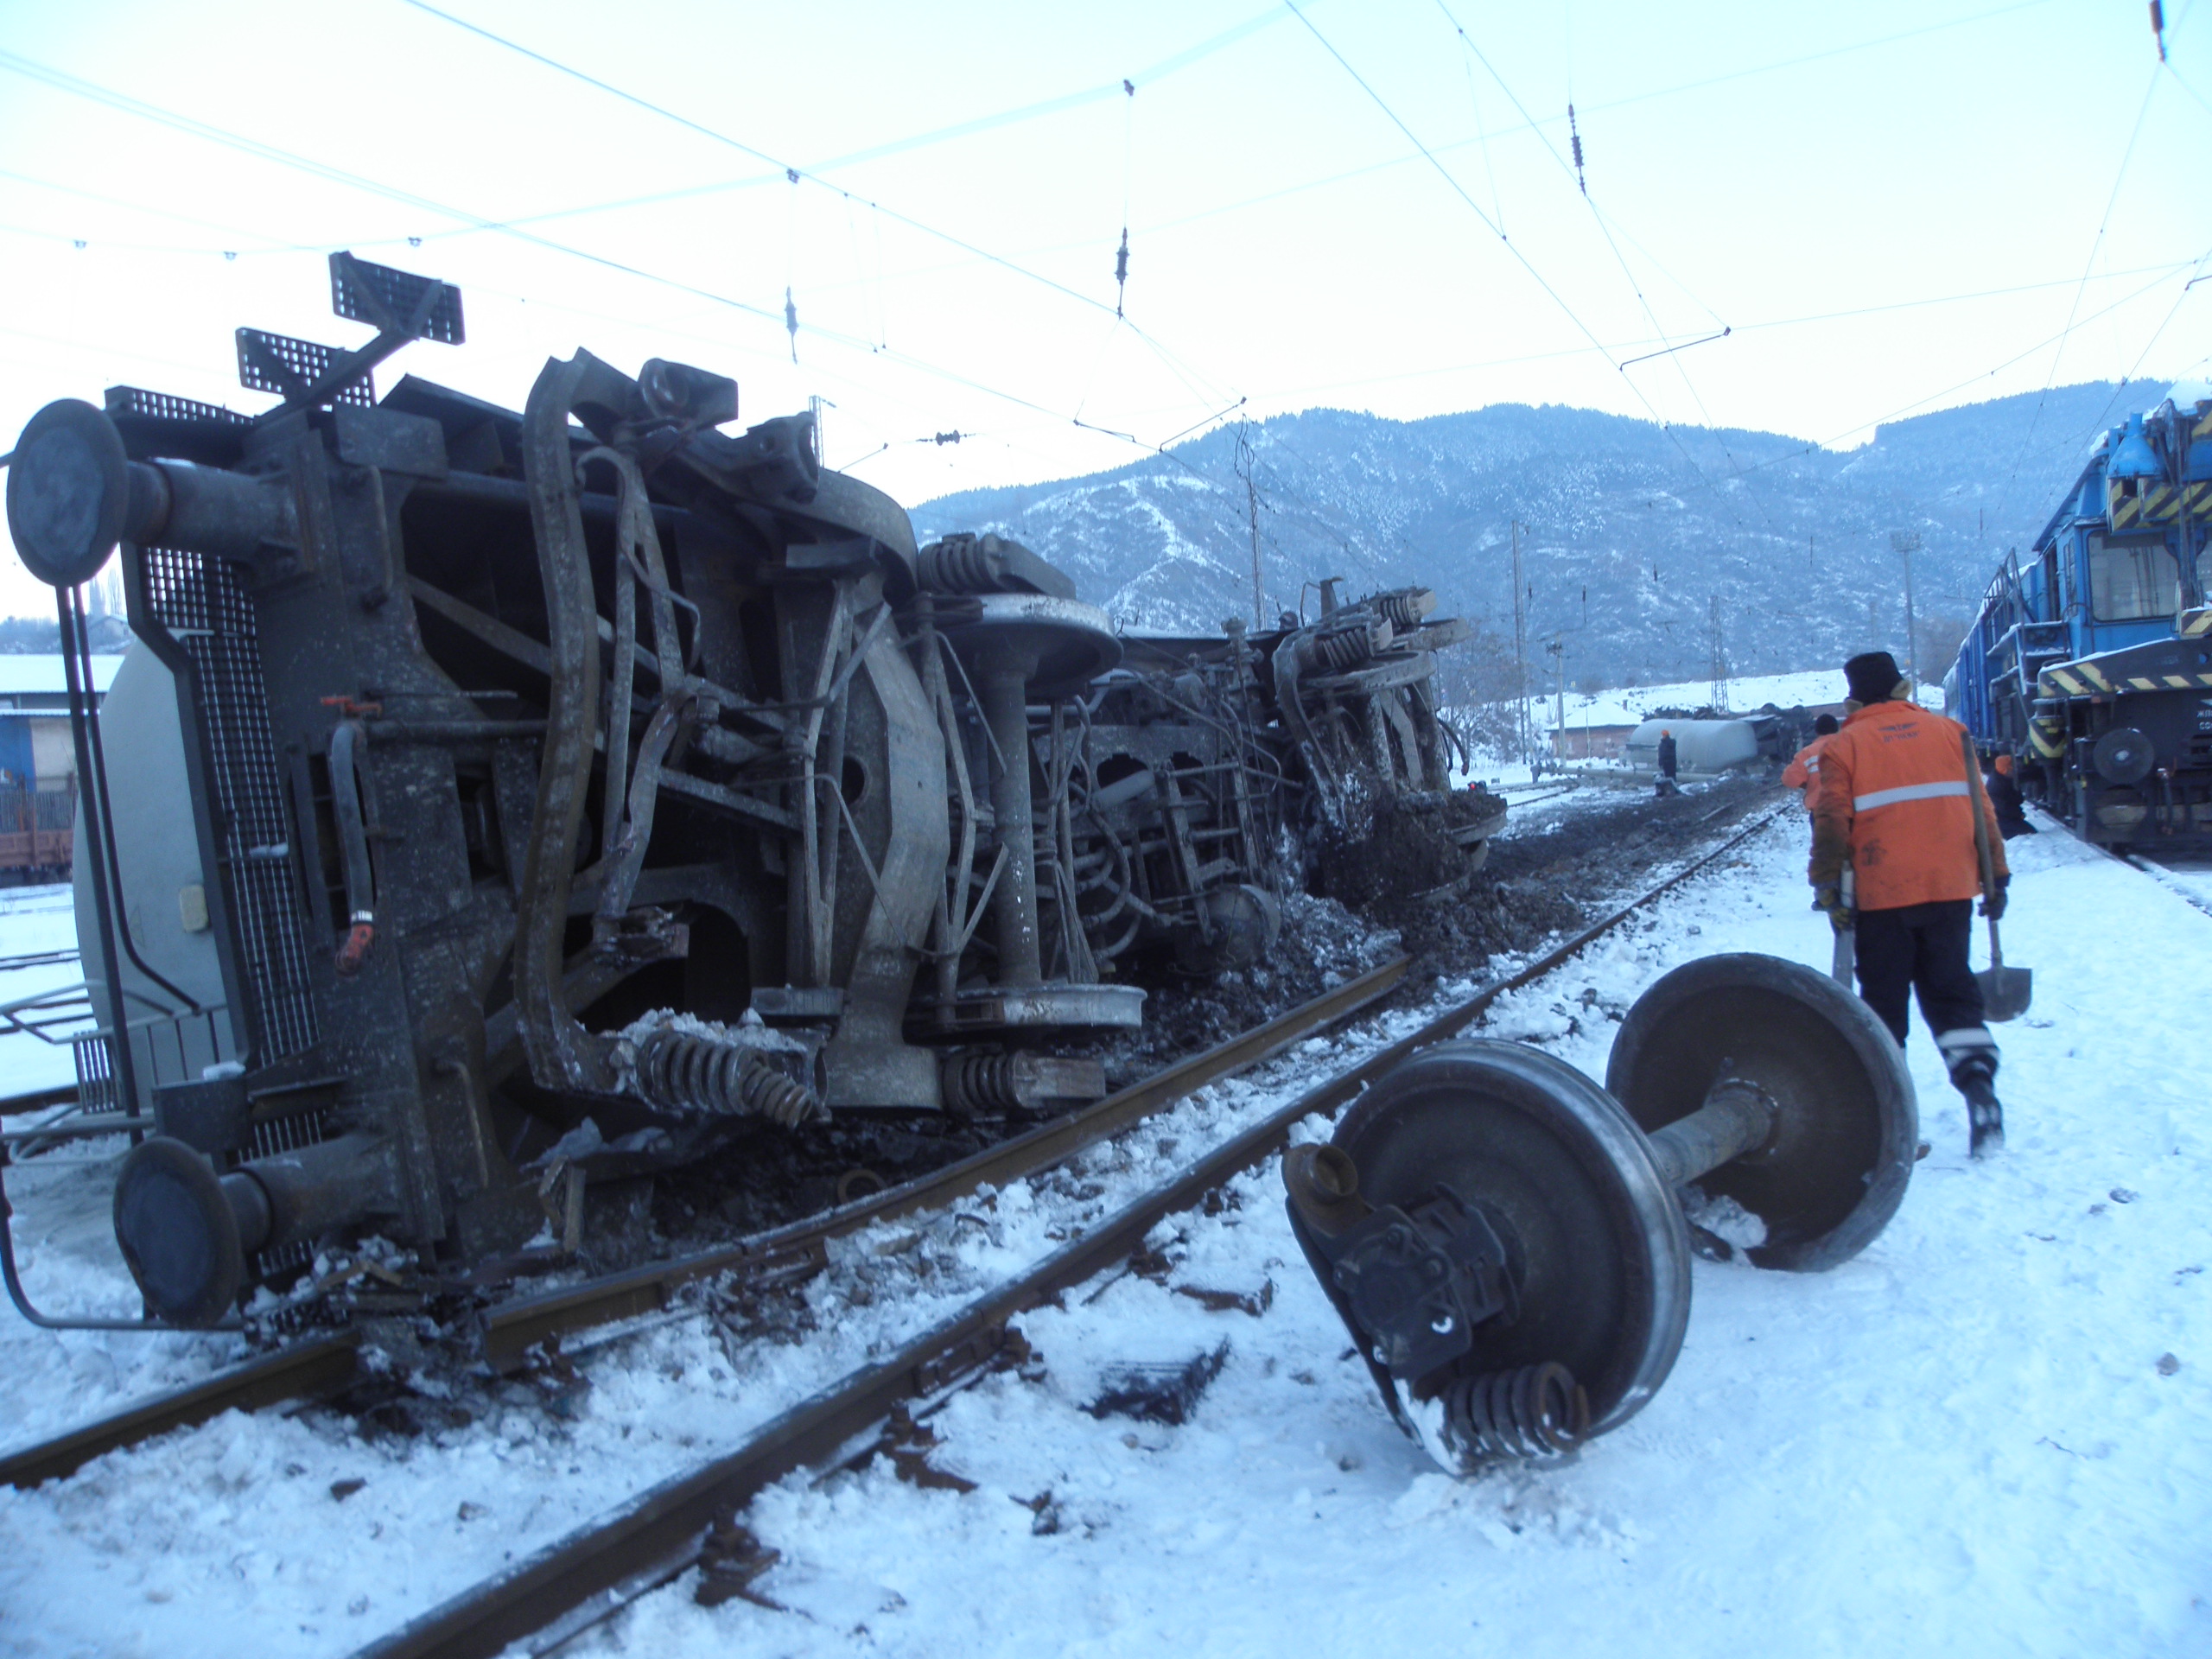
[(1975, 1078)]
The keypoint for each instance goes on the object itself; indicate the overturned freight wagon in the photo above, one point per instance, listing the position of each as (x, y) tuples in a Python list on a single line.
[(580, 790)]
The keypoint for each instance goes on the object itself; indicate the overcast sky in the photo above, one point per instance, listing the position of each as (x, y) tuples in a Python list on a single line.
[(1894, 207)]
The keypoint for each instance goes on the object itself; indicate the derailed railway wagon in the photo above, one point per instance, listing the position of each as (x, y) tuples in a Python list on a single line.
[(2090, 660), (496, 802)]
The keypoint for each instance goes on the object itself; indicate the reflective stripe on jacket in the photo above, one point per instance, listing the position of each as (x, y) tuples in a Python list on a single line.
[(1798, 774), (1892, 793)]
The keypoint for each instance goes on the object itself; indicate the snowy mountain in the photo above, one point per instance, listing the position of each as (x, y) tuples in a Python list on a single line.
[(1630, 532)]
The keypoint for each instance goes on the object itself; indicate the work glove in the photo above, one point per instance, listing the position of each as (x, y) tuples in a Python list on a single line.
[(1992, 902), (1829, 898)]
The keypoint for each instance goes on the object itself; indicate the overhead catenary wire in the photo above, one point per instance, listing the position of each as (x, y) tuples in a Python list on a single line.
[(790, 260), (1128, 157), (1046, 107), (1921, 403), (2157, 334), (896, 147), (1047, 413), (1666, 350), (1635, 286), (1521, 359), (1367, 170), (2096, 243), (1523, 259), (639, 101), (78, 86), (277, 245)]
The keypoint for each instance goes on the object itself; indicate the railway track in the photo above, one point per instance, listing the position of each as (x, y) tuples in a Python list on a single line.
[(2166, 879), (2049, 823), (506, 1333), (565, 1589)]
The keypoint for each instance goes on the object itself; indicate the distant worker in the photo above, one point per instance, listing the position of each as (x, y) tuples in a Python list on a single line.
[(1666, 785), (2004, 796), (1893, 797), (1806, 763)]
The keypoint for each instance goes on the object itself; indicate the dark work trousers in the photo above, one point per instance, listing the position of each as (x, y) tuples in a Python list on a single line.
[(1923, 947)]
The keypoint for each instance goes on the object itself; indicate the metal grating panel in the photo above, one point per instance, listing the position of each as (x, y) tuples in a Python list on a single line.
[(268, 1264), (288, 1133), (201, 601), (270, 1136), (167, 406), (95, 1071), (395, 293), (303, 359)]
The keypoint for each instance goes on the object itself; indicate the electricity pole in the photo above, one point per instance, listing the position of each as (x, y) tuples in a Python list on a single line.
[(1719, 658), (1907, 543), (1252, 511), (1523, 727)]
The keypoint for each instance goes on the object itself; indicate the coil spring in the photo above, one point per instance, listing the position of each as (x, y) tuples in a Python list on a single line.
[(679, 1073), (1538, 1411), (1406, 607), (979, 1082), (959, 565), (1343, 649)]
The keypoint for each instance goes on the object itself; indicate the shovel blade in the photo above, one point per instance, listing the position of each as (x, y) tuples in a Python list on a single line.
[(2005, 992)]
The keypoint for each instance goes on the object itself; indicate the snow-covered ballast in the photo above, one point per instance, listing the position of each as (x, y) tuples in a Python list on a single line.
[(501, 802)]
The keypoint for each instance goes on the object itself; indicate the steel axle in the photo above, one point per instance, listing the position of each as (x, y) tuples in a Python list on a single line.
[(1737, 1118), (1503, 1237)]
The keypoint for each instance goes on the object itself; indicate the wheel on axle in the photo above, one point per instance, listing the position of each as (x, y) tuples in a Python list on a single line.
[(1847, 1125), (1594, 1242)]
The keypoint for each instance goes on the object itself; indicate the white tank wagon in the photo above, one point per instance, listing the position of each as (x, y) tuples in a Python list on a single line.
[(1704, 749)]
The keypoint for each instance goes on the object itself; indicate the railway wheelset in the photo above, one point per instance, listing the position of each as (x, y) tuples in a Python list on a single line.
[(1504, 1239)]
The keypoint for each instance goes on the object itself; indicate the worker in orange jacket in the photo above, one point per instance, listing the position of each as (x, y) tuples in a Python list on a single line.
[(1892, 798), (1802, 767)]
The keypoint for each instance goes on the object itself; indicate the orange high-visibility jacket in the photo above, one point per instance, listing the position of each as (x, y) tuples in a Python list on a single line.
[(1798, 774), (1892, 794)]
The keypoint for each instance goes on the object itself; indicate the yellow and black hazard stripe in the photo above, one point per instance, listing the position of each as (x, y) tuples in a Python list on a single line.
[(2047, 737), (2079, 679), (2130, 505), (2195, 624), (2085, 679)]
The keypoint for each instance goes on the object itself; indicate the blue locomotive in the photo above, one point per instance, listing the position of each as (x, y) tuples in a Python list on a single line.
[(2091, 658)]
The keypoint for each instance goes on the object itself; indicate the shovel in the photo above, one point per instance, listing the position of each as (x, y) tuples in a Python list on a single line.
[(2005, 992), (1846, 940)]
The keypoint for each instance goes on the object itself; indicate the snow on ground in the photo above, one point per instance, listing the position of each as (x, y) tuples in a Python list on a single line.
[(1627, 705), (1970, 1440), (2189, 875), (1630, 705), (33, 921)]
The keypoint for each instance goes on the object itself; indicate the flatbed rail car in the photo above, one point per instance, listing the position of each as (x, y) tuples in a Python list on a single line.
[(2091, 658)]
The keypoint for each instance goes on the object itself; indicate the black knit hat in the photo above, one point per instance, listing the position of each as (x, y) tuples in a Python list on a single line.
[(1824, 725), (1872, 676)]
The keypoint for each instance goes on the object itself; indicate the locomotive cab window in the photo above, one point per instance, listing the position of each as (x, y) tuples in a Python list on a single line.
[(2133, 580)]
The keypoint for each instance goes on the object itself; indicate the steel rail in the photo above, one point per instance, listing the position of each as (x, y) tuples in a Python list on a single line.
[(656, 1536), (508, 1332), (2127, 855), (2166, 879), (512, 1328), (311, 1367)]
